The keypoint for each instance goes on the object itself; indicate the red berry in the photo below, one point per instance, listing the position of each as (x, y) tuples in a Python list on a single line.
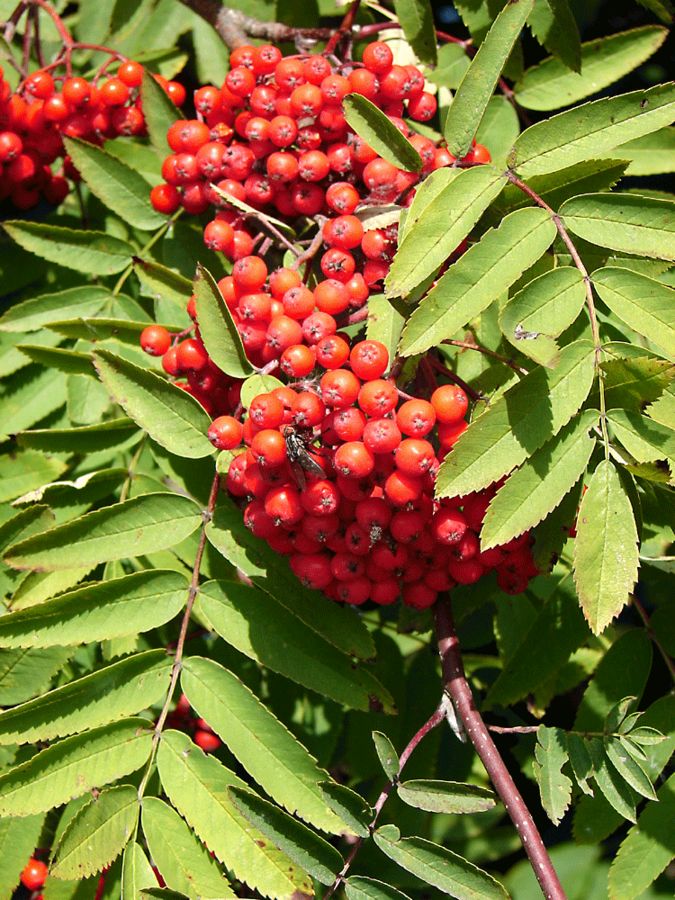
[(155, 340), (34, 874), (207, 740), (450, 403), (225, 433)]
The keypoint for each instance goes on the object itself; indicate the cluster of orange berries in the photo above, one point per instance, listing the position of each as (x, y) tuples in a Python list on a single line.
[(335, 468), (46, 107)]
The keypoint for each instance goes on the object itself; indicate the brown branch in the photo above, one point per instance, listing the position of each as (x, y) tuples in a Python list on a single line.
[(469, 345), (459, 691), (182, 634), (435, 719), (235, 27)]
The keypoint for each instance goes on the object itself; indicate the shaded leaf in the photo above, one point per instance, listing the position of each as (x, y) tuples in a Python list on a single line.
[(91, 252), (374, 126), (197, 786), (540, 484), (581, 762), (217, 327), (185, 865), (73, 766), (83, 439), (446, 219), (349, 806), (550, 84), (647, 848), (644, 439), (555, 788), (117, 185), (480, 79), (386, 754), (135, 527), (606, 548), (438, 867), (97, 834), (169, 415), (553, 24), (27, 673), (629, 769), (259, 741), (591, 130), (35, 313), (518, 423), (615, 790), (314, 855), (417, 21), (625, 222), (478, 278), (445, 796)]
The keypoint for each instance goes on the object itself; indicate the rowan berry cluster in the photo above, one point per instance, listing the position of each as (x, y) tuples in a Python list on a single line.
[(46, 107), (183, 719)]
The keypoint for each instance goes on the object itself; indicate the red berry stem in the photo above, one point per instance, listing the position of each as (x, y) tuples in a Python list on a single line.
[(345, 27), (432, 722), (428, 363), (457, 687)]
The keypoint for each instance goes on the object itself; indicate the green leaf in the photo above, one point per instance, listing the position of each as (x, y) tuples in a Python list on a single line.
[(645, 440), (91, 252), (85, 439), (136, 872), (428, 191), (643, 303), (614, 789), (387, 755), (255, 385), (555, 788), (450, 797), (629, 769), (443, 223), (662, 9), (135, 527), (34, 314), (622, 672), (633, 383), (25, 471), (102, 328), (605, 549), (98, 833), (166, 287), (299, 843), (653, 154), (591, 130), (374, 126), (553, 24), (170, 416), (159, 112), (480, 79), (74, 766), (498, 128), (68, 361), (115, 184), (18, 840), (541, 311), (478, 278), (518, 423), (452, 64), (26, 673), (384, 323), (540, 484), (554, 634), (439, 867), (197, 787), (217, 328), (349, 806), (261, 743), (359, 888), (267, 632), (647, 848), (625, 222), (417, 21), (113, 692), (581, 762), (268, 570), (184, 863), (550, 84)]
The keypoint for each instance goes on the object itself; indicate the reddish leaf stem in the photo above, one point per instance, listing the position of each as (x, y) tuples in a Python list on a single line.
[(470, 345), (457, 687), (432, 722), (345, 27)]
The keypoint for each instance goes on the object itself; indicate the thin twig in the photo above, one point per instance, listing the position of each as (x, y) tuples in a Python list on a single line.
[(670, 663), (344, 28), (308, 255), (459, 691), (429, 362), (182, 635), (514, 729), (470, 345), (434, 720), (590, 301)]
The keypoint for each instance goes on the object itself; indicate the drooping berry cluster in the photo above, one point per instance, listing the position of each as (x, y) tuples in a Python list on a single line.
[(47, 106)]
